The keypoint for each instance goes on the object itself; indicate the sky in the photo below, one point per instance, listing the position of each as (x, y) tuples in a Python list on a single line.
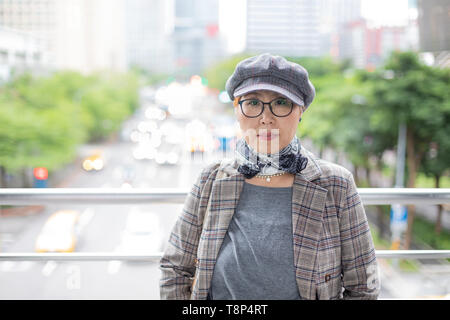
[(386, 12)]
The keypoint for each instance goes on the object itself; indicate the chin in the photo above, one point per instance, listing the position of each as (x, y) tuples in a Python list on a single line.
[(265, 146), (266, 150)]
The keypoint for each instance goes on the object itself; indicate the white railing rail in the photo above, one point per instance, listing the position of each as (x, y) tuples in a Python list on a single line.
[(155, 257), (29, 196), (26, 196)]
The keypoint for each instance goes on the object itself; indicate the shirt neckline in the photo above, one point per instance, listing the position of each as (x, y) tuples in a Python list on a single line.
[(268, 188)]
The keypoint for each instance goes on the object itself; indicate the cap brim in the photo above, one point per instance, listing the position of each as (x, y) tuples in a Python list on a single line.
[(267, 86)]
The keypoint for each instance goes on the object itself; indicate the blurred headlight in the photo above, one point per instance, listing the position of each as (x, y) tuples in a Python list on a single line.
[(172, 158), (98, 164), (138, 154), (160, 158), (87, 165), (134, 136)]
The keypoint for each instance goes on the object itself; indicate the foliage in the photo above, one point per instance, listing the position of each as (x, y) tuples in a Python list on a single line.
[(358, 112), (44, 119), (410, 91), (106, 102), (423, 232), (339, 117), (218, 74)]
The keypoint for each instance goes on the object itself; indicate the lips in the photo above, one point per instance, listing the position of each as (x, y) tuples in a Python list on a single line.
[(267, 136)]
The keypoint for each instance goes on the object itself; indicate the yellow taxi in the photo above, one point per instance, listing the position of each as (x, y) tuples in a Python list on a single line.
[(58, 233), (94, 162)]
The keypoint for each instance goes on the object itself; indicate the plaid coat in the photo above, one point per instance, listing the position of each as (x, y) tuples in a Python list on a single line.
[(334, 255)]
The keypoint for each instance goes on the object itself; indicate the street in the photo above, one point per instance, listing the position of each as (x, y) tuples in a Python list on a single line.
[(102, 228), (101, 231)]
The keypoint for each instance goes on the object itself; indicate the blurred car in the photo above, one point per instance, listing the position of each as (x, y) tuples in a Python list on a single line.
[(144, 151), (168, 154), (198, 137), (94, 162), (142, 233), (156, 113), (196, 144), (172, 132), (224, 131), (59, 232)]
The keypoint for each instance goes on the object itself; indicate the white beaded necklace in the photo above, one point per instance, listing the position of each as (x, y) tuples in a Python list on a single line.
[(268, 176)]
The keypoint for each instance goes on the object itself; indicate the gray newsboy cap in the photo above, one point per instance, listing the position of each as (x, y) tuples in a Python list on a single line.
[(274, 73)]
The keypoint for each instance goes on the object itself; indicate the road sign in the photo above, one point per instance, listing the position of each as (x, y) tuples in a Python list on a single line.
[(40, 173), (40, 177), (40, 183), (399, 222), (399, 217)]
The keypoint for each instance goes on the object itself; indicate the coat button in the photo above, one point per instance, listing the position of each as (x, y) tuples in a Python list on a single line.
[(327, 277), (196, 262)]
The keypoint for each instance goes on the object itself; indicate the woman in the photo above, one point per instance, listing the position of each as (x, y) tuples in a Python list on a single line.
[(275, 222)]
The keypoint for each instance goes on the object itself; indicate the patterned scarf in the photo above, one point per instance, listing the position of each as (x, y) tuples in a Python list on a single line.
[(288, 159)]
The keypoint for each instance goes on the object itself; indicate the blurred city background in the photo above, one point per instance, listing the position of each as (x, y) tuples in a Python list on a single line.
[(130, 94)]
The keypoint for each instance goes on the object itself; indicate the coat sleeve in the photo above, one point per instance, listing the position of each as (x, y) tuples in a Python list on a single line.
[(359, 264), (177, 264)]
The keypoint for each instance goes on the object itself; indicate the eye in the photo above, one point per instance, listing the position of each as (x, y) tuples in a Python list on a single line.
[(281, 102), (253, 102)]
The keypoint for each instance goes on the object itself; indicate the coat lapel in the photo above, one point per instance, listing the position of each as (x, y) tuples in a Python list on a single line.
[(225, 194), (308, 203)]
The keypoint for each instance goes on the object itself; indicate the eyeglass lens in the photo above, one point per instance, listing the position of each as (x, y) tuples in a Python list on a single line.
[(281, 107)]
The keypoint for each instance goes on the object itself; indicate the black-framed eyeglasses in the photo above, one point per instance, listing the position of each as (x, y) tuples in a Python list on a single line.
[(280, 107)]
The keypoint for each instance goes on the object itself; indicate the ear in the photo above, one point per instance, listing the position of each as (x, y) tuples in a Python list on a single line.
[(301, 113)]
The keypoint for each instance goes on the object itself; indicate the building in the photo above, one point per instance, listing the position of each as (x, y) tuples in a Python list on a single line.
[(284, 27), (334, 16), (89, 35), (28, 20), (434, 26), (352, 42), (19, 52), (197, 40), (83, 35), (149, 26), (367, 47)]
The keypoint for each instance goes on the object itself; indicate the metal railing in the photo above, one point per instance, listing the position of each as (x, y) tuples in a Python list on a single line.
[(155, 257), (29, 196), (24, 196)]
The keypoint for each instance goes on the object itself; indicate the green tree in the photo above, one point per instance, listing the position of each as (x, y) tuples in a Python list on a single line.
[(339, 117), (106, 102), (44, 119), (436, 163), (37, 128), (218, 73), (408, 91)]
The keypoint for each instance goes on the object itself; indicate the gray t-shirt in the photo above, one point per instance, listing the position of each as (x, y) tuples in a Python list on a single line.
[(256, 260)]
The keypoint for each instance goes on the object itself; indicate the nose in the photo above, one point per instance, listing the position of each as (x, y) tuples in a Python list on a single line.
[(267, 116)]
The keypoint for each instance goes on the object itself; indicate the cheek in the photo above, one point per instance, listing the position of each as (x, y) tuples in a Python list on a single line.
[(244, 122), (237, 114), (292, 120), (289, 128)]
